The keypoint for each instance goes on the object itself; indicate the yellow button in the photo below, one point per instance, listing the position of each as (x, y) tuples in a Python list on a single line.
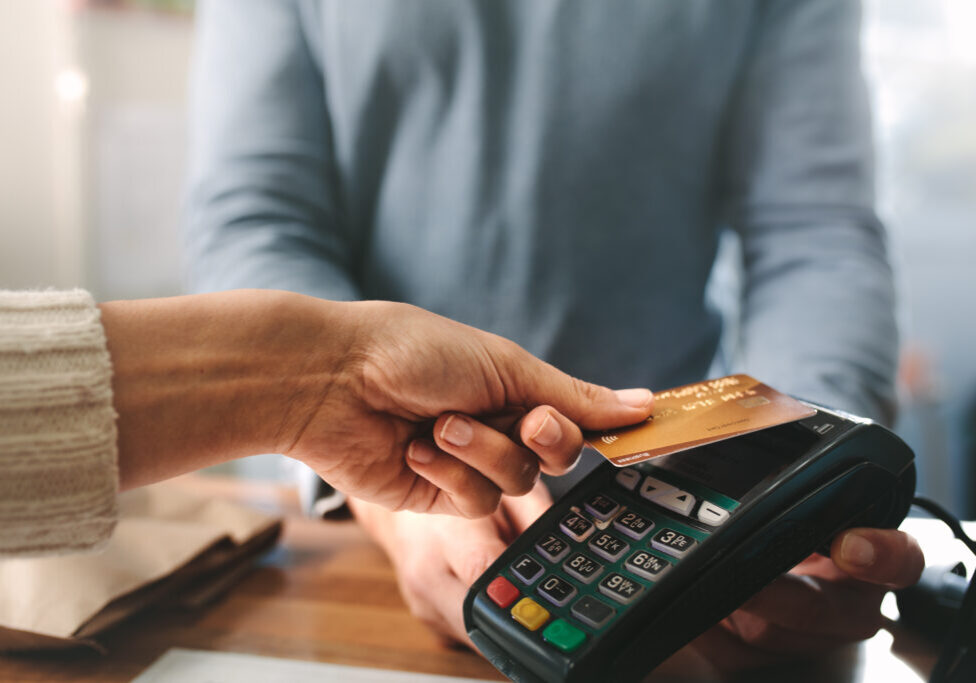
[(530, 614)]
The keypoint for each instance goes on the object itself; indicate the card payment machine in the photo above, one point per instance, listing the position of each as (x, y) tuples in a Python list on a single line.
[(633, 563)]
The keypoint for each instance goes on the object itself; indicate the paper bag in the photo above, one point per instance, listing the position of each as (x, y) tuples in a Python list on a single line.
[(170, 547)]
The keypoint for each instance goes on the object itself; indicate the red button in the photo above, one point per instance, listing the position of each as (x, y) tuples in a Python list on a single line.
[(502, 592)]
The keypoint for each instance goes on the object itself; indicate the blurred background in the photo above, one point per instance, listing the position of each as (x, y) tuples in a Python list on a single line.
[(92, 149)]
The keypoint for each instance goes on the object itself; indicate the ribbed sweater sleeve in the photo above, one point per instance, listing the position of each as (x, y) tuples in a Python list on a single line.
[(58, 455)]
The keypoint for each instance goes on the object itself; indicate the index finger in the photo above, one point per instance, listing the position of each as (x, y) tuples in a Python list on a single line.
[(532, 382)]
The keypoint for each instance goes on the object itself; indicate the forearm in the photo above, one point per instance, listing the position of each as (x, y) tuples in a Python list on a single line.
[(818, 314), (818, 320), (203, 379)]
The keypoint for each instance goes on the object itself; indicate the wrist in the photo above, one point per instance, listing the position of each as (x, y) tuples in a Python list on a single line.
[(307, 356), (202, 379)]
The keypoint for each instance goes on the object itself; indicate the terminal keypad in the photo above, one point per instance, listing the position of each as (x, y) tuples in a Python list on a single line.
[(604, 554)]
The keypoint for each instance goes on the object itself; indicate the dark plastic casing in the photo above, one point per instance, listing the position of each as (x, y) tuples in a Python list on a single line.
[(856, 474)]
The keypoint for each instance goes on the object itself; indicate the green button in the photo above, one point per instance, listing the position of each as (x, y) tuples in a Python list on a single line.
[(564, 635)]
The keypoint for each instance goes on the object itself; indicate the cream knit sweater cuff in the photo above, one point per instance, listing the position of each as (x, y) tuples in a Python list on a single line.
[(58, 469)]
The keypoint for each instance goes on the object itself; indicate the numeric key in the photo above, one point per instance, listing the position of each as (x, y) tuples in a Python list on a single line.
[(552, 548), (582, 567), (633, 525), (608, 546), (555, 590), (602, 507), (647, 565), (673, 543), (620, 588), (576, 526)]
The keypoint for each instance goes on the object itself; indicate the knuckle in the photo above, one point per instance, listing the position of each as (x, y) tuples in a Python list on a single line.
[(525, 478), (474, 495), (417, 499), (483, 504), (523, 487), (465, 484), (510, 350), (589, 392)]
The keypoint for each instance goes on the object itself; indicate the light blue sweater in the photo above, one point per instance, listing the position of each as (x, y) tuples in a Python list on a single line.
[(558, 172)]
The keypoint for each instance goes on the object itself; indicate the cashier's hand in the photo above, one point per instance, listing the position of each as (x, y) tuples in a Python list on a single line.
[(430, 415), (821, 604), (437, 557)]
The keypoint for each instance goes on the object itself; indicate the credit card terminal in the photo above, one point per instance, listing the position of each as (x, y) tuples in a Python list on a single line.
[(633, 563)]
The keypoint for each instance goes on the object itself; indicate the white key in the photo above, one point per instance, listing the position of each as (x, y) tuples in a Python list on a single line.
[(628, 478), (678, 501), (711, 514), (652, 488)]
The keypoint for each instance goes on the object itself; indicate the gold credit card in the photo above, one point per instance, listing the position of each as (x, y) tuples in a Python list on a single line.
[(696, 414)]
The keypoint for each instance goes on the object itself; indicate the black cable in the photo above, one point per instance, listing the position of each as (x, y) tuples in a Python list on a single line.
[(936, 510), (956, 661)]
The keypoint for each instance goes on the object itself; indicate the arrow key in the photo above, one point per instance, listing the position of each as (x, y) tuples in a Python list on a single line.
[(678, 501)]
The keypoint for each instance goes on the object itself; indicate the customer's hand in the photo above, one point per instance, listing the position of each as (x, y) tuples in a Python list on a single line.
[(429, 415), (823, 603), (437, 558), (387, 402)]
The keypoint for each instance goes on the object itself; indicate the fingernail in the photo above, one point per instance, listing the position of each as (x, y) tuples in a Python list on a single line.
[(635, 398), (548, 433), (420, 452), (857, 550), (457, 431)]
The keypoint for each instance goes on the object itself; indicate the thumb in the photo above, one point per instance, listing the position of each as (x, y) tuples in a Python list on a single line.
[(886, 557), (590, 406)]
